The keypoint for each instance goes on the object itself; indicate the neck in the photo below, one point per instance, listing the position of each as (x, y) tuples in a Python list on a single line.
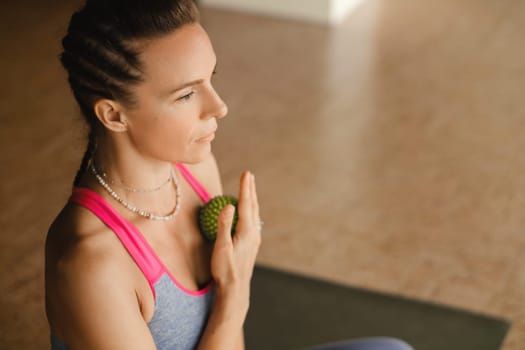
[(133, 170)]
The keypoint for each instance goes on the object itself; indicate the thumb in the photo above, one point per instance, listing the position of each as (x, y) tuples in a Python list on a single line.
[(224, 227)]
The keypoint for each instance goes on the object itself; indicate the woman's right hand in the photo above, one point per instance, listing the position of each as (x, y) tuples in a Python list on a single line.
[(233, 258)]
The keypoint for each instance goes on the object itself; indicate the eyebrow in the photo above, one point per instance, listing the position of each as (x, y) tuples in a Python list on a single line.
[(188, 84), (185, 85)]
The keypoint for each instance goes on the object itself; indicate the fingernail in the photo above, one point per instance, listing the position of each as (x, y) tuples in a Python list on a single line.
[(229, 210)]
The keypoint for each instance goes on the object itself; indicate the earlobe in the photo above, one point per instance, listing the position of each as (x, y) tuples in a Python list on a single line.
[(109, 114)]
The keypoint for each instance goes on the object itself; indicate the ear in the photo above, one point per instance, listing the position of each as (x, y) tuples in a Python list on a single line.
[(110, 115)]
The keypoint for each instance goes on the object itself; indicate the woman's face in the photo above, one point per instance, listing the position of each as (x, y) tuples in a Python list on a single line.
[(176, 113)]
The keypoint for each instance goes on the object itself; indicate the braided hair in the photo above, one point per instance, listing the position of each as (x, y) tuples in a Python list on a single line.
[(101, 56)]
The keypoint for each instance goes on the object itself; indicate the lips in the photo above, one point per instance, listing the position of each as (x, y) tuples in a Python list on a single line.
[(207, 138)]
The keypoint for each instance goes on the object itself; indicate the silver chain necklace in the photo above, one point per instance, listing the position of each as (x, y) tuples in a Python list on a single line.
[(141, 212), (132, 189)]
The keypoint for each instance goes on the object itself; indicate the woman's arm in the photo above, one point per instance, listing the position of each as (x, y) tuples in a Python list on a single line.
[(232, 263), (240, 342), (92, 303), (208, 173)]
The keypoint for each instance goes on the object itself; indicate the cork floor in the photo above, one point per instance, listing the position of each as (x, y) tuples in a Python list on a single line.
[(388, 151)]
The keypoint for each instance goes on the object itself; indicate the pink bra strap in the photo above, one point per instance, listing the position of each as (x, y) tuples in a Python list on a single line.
[(133, 241), (201, 191)]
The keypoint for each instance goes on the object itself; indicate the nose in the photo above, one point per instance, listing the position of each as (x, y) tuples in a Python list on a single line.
[(215, 106)]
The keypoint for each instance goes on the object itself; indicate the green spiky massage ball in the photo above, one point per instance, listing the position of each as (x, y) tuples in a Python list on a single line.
[(209, 213)]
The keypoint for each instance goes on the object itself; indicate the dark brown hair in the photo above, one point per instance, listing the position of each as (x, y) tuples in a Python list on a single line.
[(100, 53)]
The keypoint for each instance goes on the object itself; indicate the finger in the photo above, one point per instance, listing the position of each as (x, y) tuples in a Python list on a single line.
[(224, 237), (255, 201), (245, 201)]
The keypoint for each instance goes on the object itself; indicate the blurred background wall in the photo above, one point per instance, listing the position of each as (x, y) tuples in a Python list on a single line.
[(321, 11)]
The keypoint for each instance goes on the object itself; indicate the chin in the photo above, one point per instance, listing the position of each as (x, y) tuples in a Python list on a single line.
[(198, 157)]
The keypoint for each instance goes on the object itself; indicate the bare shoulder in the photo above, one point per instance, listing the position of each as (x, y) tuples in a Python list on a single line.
[(78, 244), (83, 263), (207, 172), (91, 296), (78, 237)]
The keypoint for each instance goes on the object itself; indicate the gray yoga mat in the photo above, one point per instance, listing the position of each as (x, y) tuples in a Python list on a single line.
[(290, 311)]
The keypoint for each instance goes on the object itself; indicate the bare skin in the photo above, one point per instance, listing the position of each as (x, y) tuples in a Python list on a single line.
[(96, 296)]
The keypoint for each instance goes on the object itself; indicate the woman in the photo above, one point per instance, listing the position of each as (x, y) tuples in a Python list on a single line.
[(126, 266), (124, 278)]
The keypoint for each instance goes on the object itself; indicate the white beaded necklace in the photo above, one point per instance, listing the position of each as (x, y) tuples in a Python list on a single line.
[(141, 212)]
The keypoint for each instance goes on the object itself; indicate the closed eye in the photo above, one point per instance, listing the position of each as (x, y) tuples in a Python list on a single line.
[(186, 97)]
